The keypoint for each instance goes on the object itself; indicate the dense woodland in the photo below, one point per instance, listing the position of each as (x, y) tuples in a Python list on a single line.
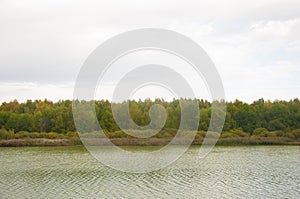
[(259, 117)]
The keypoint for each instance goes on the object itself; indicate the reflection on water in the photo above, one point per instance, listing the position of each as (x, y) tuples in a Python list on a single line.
[(231, 172)]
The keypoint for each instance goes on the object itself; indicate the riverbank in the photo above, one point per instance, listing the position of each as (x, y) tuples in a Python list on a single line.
[(146, 142), (38, 142)]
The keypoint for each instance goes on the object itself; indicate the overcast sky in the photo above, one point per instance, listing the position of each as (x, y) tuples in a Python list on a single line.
[(254, 44)]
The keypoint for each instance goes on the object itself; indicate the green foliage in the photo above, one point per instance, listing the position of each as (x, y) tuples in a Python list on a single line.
[(262, 132), (276, 124), (20, 122), (4, 116), (234, 134), (296, 133), (201, 134), (212, 134), (72, 134), (4, 134), (290, 135), (279, 133), (52, 135), (261, 118), (229, 135), (239, 133), (117, 134), (22, 134), (272, 134)]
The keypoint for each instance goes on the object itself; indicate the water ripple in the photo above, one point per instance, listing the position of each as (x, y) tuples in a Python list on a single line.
[(230, 172)]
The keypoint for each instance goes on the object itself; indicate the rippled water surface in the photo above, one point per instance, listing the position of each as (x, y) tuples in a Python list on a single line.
[(230, 172)]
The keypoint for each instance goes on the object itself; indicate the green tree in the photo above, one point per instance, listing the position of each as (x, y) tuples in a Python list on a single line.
[(20, 122)]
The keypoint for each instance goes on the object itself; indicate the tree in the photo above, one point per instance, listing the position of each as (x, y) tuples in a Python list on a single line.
[(20, 122), (4, 116)]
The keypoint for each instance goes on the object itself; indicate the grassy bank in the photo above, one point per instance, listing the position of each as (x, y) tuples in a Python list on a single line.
[(36, 142), (120, 138), (145, 142)]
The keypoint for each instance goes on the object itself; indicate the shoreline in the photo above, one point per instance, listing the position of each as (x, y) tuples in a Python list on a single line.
[(146, 142)]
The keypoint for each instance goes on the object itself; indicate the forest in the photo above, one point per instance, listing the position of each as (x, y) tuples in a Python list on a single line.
[(43, 118)]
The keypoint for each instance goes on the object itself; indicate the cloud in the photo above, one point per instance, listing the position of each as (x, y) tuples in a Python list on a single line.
[(255, 44), (30, 90)]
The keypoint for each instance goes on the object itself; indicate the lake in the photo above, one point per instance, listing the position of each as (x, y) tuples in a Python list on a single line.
[(227, 172)]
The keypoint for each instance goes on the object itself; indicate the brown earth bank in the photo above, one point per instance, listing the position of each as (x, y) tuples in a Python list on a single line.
[(146, 142), (36, 142)]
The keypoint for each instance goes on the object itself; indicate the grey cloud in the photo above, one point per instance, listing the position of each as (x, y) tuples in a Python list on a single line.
[(47, 41)]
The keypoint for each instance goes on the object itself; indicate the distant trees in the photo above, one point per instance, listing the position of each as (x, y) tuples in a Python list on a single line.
[(258, 118), (41, 116), (20, 122)]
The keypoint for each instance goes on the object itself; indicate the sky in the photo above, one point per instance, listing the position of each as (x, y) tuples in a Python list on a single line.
[(255, 45)]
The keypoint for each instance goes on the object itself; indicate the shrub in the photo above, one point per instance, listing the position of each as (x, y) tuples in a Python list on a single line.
[(144, 133), (117, 134), (22, 134), (261, 132), (11, 133), (229, 135), (19, 135), (52, 135), (166, 133), (239, 133), (296, 133), (4, 134), (170, 131), (211, 134), (72, 134), (290, 135), (198, 136), (94, 134), (201, 133), (44, 135), (60, 136), (34, 135), (272, 134), (279, 133)]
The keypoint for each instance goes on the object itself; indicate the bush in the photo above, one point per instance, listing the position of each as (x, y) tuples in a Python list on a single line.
[(4, 134), (72, 134), (170, 131), (34, 135), (296, 133), (229, 135), (198, 137), (201, 134), (61, 136), (52, 135), (117, 134), (94, 134), (44, 135), (165, 134), (272, 134), (211, 134), (239, 133), (22, 134), (290, 135), (279, 133), (234, 134), (261, 132)]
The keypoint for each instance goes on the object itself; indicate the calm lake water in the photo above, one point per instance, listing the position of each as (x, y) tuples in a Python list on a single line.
[(227, 172)]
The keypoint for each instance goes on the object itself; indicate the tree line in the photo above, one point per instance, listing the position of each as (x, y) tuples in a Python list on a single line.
[(46, 116)]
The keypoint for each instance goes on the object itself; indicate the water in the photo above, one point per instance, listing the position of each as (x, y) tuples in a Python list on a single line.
[(227, 172)]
